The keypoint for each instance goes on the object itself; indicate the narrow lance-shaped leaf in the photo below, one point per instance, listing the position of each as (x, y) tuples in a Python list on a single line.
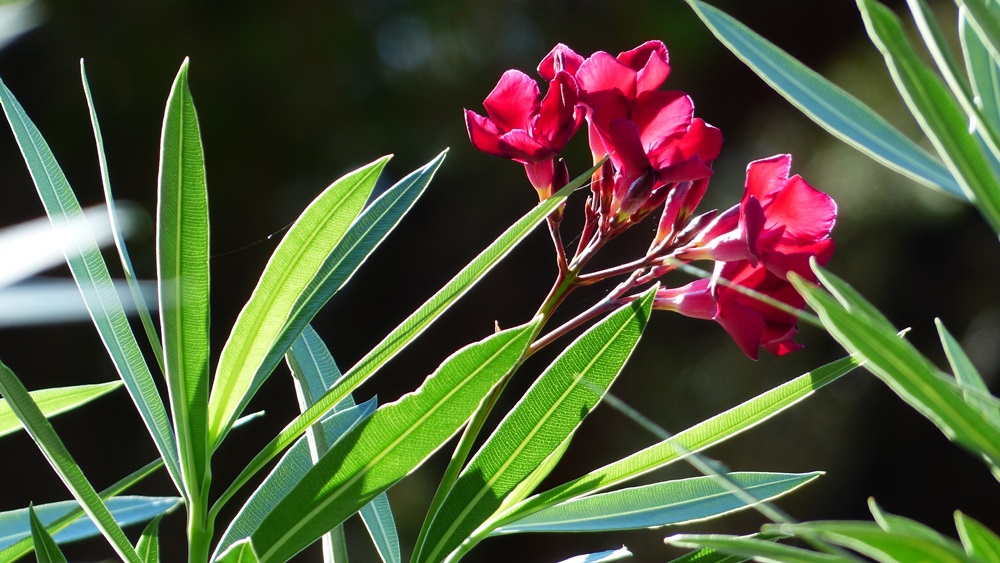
[(123, 254), (658, 504), (753, 547), (939, 115), (897, 363), (91, 274), (46, 550), (974, 388), (361, 239), (392, 443), (66, 520), (62, 462), (868, 539), (240, 552), (550, 411), (707, 433), (838, 112), (55, 401), (978, 540), (182, 268), (291, 268), (983, 71), (985, 20), (601, 556), (285, 474), (148, 546), (315, 372), (406, 332)]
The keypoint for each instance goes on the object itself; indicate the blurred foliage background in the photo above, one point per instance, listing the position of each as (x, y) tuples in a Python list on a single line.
[(291, 97)]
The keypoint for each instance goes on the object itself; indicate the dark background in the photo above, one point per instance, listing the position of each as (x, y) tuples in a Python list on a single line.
[(291, 97)]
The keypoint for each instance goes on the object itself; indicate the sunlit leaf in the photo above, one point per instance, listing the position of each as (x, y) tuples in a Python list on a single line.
[(659, 504), (91, 274), (396, 440), (55, 401), (46, 550), (940, 116), (550, 411), (825, 103), (62, 462)]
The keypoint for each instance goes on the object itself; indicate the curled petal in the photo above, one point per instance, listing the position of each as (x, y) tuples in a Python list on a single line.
[(520, 146), (627, 153), (602, 74), (807, 213), (701, 140), (513, 101), (559, 115), (692, 300), (651, 63), (662, 116), (559, 58), (483, 133), (768, 176)]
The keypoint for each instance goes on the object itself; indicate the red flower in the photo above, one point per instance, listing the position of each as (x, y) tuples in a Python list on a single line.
[(796, 219), (523, 126), (781, 222), (652, 138), (751, 322)]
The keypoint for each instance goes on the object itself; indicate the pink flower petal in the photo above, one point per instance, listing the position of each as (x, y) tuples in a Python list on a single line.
[(601, 74), (513, 101), (650, 60), (483, 133), (559, 58), (744, 325), (521, 147), (807, 213), (559, 116), (660, 116), (766, 177), (627, 153)]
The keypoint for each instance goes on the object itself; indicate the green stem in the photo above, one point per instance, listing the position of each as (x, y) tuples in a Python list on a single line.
[(200, 528)]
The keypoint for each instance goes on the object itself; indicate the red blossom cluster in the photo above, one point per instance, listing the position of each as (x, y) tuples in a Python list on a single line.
[(657, 155)]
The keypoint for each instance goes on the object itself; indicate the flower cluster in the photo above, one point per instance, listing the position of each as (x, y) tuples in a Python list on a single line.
[(655, 154)]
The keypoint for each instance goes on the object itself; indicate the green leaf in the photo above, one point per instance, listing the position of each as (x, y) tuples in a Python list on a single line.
[(896, 362), (123, 254), (62, 462), (986, 22), (601, 557), (548, 413), (315, 372), (55, 401), (396, 440), (830, 107), (406, 332), (905, 526), (707, 555), (240, 552), (694, 439), (938, 113), (286, 474), (46, 549), (182, 271), (868, 539), (983, 71), (292, 267), (975, 391), (764, 550), (91, 274), (63, 519), (148, 546), (978, 540), (659, 504)]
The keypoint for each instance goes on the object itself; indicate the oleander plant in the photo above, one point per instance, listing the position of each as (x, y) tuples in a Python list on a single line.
[(753, 268)]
